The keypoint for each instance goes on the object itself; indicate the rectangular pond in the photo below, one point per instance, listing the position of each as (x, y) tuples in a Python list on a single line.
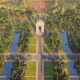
[(67, 50), (8, 65)]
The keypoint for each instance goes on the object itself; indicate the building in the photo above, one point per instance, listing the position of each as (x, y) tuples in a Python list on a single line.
[(40, 27)]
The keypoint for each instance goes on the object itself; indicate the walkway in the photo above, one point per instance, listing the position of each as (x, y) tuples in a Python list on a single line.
[(39, 65)]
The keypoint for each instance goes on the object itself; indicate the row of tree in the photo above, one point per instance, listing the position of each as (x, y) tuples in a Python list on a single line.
[(68, 21), (60, 70), (53, 39), (17, 69), (77, 66)]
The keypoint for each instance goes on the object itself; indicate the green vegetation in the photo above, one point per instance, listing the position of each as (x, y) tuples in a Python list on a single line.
[(68, 21), (32, 48), (32, 44), (48, 66), (61, 17), (29, 70), (52, 40), (6, 39), (57, 71), (27, 42), (74, 42), (8, 20), (23, 70), (17, 70), (29, 78), (77, 66), (48, 78), (11, 20), (2, 60)]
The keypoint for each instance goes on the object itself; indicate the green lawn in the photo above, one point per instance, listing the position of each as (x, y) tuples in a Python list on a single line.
[(30, 68), (48, 68), (32, 48), (48, 78), (46, 49), (32, 40), (2, 61), (29, 78), (29, 41), (32, 44)]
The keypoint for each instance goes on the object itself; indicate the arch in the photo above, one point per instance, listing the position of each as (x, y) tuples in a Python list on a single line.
[(40, 27)]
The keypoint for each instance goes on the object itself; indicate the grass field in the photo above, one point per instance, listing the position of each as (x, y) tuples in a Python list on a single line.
[(48, 68), (29, 78), (27, 43), (32, 40), (46, 49), (32, 48), (30, 68), (48, 78), (32, 44)]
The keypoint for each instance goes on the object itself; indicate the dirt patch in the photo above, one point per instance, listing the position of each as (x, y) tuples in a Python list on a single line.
[(37, 5)]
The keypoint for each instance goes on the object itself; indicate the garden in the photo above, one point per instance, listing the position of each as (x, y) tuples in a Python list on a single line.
[(67, 21), (55, 70), (30, 70), (27, 42), (23, 70), (52, 42), (2, 61), (77, 66)]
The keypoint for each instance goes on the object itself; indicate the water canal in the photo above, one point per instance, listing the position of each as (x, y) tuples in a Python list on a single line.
[(8, 65), (72, 71)]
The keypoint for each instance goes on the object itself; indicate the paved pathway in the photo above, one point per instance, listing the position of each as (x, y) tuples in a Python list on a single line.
[(39, 72)]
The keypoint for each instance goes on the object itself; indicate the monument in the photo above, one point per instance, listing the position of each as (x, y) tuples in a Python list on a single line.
[(40, 27)]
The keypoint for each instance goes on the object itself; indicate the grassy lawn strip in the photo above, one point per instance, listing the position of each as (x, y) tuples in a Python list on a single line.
[(30, 68), (46, 49), (27, 44), (2, 60), (32, 40), (32, 44), (29, 78), (48, 78), (32, 48), (48, 68)]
